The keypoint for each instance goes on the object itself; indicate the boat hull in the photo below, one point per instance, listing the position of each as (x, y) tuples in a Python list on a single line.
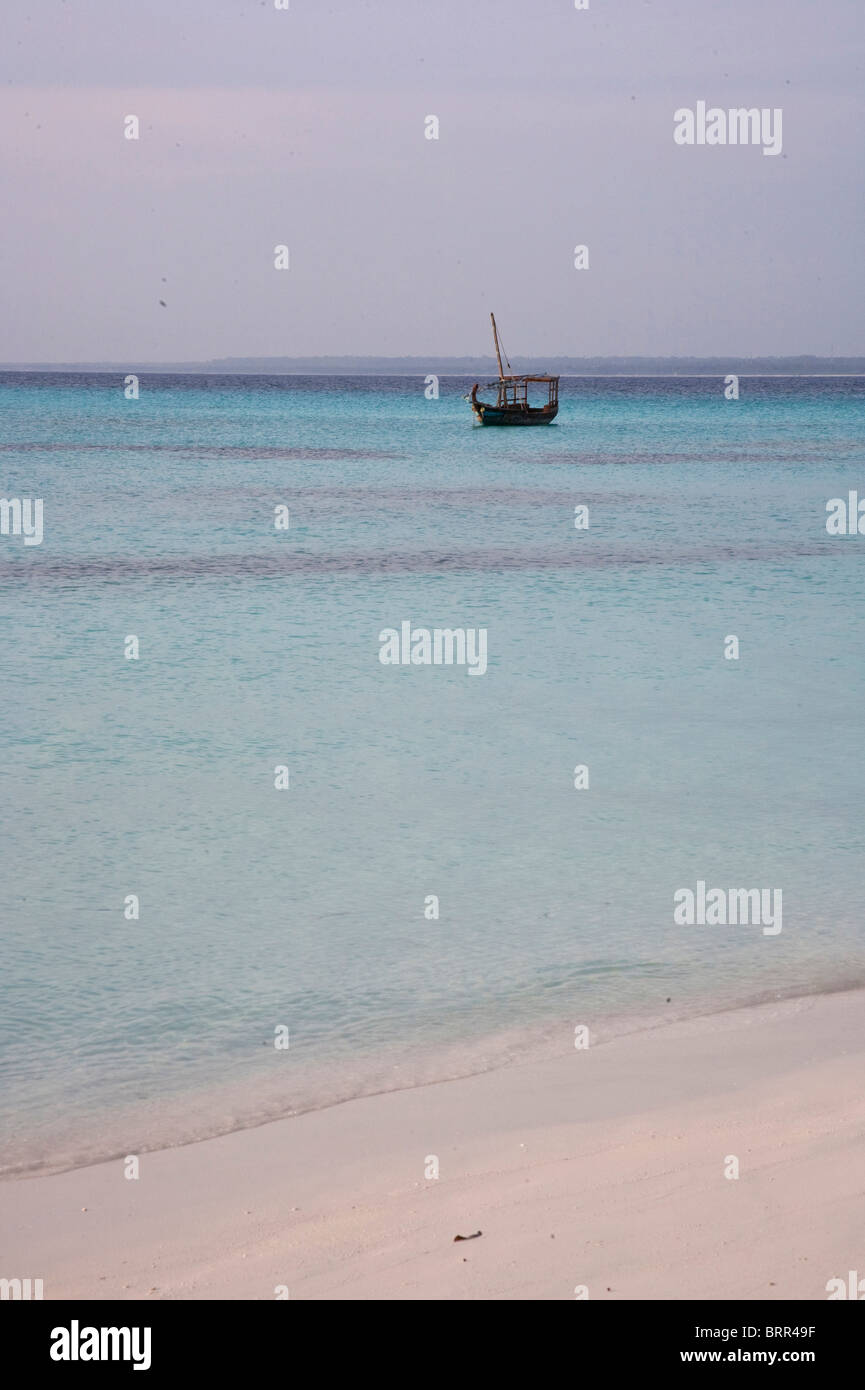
[(497, 415)]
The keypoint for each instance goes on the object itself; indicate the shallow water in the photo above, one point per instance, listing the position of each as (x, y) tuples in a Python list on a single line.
[(305, 908)]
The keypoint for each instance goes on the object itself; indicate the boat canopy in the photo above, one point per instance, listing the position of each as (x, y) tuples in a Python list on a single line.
[(513, 390)]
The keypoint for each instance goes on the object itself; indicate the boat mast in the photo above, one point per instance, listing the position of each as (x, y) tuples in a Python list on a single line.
[(496, 341)]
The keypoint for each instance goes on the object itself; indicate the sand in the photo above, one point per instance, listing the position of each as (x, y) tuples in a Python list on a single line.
[(602, 1168)]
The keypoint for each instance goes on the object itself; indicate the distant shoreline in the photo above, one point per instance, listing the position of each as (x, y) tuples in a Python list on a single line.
[(442, 376), (600, 367)]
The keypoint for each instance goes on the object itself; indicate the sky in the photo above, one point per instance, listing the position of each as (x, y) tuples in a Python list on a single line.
[(306, 128)]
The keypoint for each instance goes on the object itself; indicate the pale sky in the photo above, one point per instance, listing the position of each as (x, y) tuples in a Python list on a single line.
[(261, 127)]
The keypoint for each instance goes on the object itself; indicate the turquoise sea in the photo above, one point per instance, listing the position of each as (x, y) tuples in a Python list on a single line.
[(262, 909)]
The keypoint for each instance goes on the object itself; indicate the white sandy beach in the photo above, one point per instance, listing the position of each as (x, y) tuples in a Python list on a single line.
[(602, 1168)]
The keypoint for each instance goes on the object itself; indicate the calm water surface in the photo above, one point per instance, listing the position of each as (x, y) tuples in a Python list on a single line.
[(258, 648)]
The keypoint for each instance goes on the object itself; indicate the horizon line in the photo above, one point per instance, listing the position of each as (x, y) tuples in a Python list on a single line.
[(765, 364)]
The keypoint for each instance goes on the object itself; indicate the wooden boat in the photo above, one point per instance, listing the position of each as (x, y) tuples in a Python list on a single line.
[(512, 397)]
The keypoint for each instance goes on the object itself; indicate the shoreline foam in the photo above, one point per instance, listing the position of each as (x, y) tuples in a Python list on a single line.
[(605, 1168), (525, 1044)]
